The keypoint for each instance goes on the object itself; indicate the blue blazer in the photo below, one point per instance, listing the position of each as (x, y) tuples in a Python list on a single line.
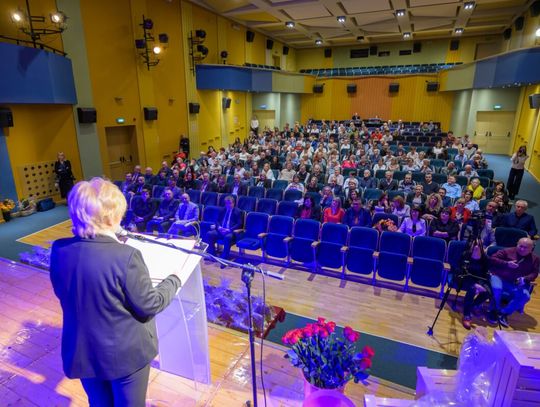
[(108, 305), (236, 221)]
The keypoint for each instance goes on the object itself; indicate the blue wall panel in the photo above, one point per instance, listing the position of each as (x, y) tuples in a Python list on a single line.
[(29, 75), (7, 185), (223, 77), (261, 81)]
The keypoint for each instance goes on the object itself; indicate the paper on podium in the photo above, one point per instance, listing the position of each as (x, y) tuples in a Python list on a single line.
[(162, 261)]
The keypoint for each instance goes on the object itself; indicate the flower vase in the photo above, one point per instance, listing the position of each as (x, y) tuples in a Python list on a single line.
[(311, 388), (6, 215)]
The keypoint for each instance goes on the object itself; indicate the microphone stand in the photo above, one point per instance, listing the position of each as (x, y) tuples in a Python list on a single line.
[(248, 272)]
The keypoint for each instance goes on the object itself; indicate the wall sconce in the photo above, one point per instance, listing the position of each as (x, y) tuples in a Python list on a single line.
[(147, 47), (197, 51), (224, 55), (30, 25)]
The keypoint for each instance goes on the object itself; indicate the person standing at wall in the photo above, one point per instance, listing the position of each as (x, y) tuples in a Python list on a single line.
[(516, 172), (63, 174)]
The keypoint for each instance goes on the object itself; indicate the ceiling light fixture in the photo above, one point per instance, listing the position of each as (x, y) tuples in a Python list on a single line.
[(341, 19), (458, 31), (289, 24), (537, 33), (468, 5), (360, 38), (147, 46), (318, 42), (400, 13), (406, 35)]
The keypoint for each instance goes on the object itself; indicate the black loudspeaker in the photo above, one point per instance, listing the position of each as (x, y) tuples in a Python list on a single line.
[(519, 23), (226, 102), (285, 50), (373, 50), (454, 45), (194, 108), (250, 35), (417, 47), (534, 101), (507, 33), (432, 86), (351, 88), (6, 117), (393, 88), (269, 44), (87, 114), (317, 88), (150, 113), (328, 52), (535, 9)]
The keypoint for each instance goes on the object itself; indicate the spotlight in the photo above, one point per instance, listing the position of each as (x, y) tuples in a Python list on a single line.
[(163, 38), (17, 17), (360, 38), (406, 35), (468, 5), (289, 24), (537, 33), (140, 44), (318, 42), (200, 34), (458, 31), (341, 19), (58, 17), (148, 24), (224, 54), (202, 49), (157, 50), (400, 13)]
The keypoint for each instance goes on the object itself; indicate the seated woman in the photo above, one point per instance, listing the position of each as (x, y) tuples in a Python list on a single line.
[(470, 203), (477, 190), (432, 207), (414, 225), (382, 205), (313, 185), (295, 184), (444, 227), (349, 199), (393, 165), (334, 213), (476, 281), (380, 165), (308, 210), (350, 162), (400, 208)]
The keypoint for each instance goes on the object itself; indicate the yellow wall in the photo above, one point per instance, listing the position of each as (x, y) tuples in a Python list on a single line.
[(528, 130), (40, 132)]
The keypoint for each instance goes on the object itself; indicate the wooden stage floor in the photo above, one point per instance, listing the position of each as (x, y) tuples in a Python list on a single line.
[(30, 365)]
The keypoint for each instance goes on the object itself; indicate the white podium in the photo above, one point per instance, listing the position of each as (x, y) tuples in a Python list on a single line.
[(182, 327)]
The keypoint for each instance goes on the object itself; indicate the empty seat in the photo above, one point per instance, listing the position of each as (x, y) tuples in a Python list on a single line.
[(209, 198), (287, 208), (274, 193), (257, 192), (273, 242), (194, 195), (247, 203), (358, 256), (248, 238), (267, 205), (429, 247), (328, 250), (306, 231), (280, 184), (508, 237), (393, 256)]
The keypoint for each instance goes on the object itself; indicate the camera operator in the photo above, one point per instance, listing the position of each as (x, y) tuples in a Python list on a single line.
[(480, 225), (512, 271), (474, 279)]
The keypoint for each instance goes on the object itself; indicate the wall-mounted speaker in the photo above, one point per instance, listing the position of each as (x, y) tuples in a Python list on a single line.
[(328, 52), (318, 88), (194, 108), (373, 50), (86, 115), (6, 117), (351, 88), (535, 9), (393, 88), (250, 36), (226, 103), (285, 50), (507, 33), (519, 23), (432, 86), (417, 47), (534, 101), (150, 113), (269, 44), (454, 45)]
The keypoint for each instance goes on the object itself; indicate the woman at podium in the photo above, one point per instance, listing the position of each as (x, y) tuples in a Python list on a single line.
[(107, 298)]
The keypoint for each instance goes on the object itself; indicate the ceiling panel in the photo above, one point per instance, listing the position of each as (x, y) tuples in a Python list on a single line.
[(363, 6), (303, 12), (418, 3), (260, 16), (369, 18), (448, 10), (224, 6)]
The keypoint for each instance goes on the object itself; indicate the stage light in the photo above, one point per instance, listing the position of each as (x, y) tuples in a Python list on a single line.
[(157, 50), (469, 5), (406, 35), (58, 17), (318, 42), (140, 44), (458, 31), (341, 19), (200, 34), (400, 13), (289, 24), (147, 47), (147, 24), (360, 38), (17, 17), (202, 49), (163, 38)]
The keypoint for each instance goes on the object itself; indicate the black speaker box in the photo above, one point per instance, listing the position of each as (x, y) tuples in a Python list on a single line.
[(150, 113), (328, 52), (285, 50), (534, 101), (393, 88), (250, 35), (417, 47), (432, 86), (351, 88), (373, 50), (226, 102), (269, 44), (194, 108), (507, 33), (519, 23), (535, 9), (6, 117), (454, 45), (87, 114), (317, 88)]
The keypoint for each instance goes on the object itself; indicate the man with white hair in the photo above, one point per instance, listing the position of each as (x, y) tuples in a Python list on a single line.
[(520, 219)]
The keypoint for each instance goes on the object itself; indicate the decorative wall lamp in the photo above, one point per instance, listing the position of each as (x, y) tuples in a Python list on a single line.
[(37, 26), (147, 47), (197, 51)]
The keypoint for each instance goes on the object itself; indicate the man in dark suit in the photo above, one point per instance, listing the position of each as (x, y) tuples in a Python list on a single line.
[(237, 187), (229, 220), (206, 185), (164, 214), (108, 300), (142, 210), (388, 183)]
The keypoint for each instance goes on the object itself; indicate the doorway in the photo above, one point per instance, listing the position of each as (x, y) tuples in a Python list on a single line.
[(494, 131), (267, 118), (122, 150)]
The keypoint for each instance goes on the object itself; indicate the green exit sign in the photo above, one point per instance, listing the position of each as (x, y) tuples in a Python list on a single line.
[(497, 107)]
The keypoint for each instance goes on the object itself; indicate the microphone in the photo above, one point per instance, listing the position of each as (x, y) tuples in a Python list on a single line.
[(191, 223), (121, 232)]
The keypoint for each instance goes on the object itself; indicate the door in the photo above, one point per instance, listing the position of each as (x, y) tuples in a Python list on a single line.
[(494, 130), (122, 150), (267, 118)]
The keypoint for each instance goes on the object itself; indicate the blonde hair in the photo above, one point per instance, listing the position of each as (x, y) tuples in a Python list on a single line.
[(95, 206)]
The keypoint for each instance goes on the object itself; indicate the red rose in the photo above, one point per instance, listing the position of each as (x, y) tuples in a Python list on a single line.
[(365, 363), (321, 320), (307, 332), (368, 352), (330, 326), (323, 333)]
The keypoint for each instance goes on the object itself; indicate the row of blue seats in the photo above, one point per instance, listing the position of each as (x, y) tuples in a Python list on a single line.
[(362, 251), (380, 70)]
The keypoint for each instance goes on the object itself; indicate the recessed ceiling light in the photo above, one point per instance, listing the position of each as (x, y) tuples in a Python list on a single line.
[(400, 13), (468, 5), (341, 19), (318, 42), (406, 35), (458, 31), (361, 37), (289, 24)]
